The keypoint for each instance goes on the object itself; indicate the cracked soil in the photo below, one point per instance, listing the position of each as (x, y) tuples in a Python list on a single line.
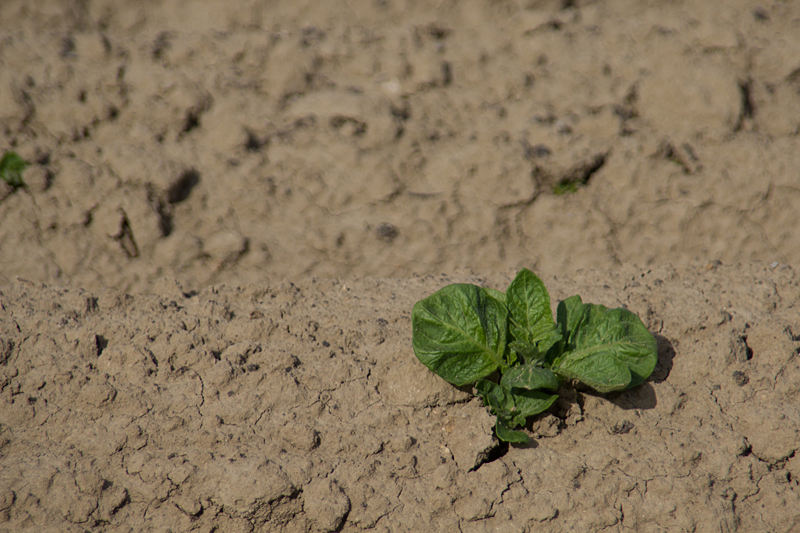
[(231, 208)]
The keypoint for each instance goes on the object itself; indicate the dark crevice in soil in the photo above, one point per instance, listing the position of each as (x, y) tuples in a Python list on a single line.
[(748, 108), (192, 121), (193, 114), (161, 44), (491, 455), (125, 237), (400, 115), (580, 174), (161, 208), (683, 155), (792, 335), (747, 450), (180, 189), (254, 143), (101, 343), (748, 351)]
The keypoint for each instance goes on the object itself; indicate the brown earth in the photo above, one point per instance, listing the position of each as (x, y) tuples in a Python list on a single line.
[(206, 283)]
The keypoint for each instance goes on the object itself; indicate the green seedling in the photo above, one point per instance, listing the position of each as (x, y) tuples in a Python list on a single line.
[(516, 355), (11, 167), (565, 187)]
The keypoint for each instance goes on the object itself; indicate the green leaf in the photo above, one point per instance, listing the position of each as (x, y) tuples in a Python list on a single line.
[(513, 406), (607, 349), (570, 313), (459, 332), (509, 356), (531, 402), (565, 187), (531, 320), (494, 293), (505, 433), (497, 398), (530, 376), (528, 352), (11, 167)]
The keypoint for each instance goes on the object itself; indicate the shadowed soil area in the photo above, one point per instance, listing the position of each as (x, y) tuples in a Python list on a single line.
[(207, 279)]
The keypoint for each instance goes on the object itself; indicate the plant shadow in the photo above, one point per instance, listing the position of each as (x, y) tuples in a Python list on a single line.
[(666, 353), (641, 397)]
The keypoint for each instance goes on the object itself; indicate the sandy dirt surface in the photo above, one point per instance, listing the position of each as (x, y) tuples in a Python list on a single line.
[(300, 407), (206, 283)]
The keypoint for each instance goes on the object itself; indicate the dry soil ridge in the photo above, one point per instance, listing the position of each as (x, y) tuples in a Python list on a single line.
[(301, 407)]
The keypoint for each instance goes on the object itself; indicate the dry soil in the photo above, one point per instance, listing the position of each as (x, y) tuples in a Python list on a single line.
[(231, 207)]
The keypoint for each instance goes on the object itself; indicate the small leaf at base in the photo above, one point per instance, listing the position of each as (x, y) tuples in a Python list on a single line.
[(507, 434)]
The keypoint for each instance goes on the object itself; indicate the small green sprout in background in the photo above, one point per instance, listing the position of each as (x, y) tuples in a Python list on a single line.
[(565, 187), (466, 334), (11, 167)]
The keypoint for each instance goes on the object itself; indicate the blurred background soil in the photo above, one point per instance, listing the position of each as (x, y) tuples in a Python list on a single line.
[(221, 142)]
